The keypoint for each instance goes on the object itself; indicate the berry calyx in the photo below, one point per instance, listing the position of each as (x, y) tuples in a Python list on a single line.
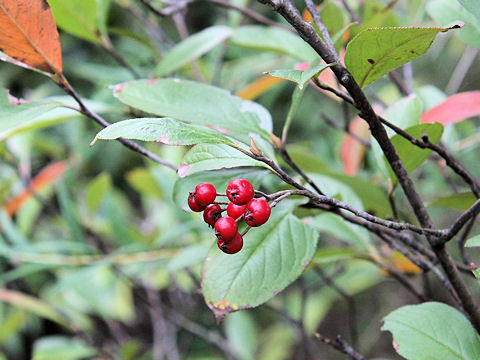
[(212, 213), (240, 191), (193, 204), (205, 194), (226, 228), (231, 247), (257, 212), (235, 211)]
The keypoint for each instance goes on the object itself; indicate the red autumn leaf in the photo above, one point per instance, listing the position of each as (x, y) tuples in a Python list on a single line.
[(44, 178), (456, 108), (29, 35)]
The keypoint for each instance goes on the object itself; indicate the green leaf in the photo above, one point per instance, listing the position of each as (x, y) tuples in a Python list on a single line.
[(192, 48), (432, 331), (242, 332), (473, 242), (218, 178), (14, 117), (273, 39), (197, 103), (165, 130), (334, 255), (461, 201), (411, 155), (142, 180), (335, 226), (189, 256), (205, 157), (77, 17), (333, 17), (32, 305), (404, 113), (473, 6), (449, 11), (298, 76), (96, 190), (273, 256), (61, 348), (375, 52)]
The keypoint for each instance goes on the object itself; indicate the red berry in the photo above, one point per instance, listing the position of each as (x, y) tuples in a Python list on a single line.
[(226, 228), (257, 212), (240, 191), (231, 247), (212, 213), (235, 211), (193, 204), (205, 193)]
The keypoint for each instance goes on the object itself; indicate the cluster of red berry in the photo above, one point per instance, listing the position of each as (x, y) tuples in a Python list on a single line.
[(243, 206)]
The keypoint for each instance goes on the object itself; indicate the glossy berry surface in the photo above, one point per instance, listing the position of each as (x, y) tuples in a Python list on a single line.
[(226, 228), (212, 213), (257, 212), (235, 211), (205, 194), (231, 247), (240, 191), (193, 204)]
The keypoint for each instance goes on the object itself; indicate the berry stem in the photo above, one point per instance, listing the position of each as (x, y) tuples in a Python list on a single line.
[(221, 203), (240, 218), (246, 230), (221, 194)]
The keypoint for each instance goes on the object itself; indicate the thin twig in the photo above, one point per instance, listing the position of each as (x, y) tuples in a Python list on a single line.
[(340, 345), (63, 83), (335, 125), (463, 239), (461, 70), (352, 309)]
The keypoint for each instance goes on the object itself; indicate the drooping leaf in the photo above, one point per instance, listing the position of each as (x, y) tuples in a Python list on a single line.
[(456, 108), (377, 51), (432, 331), (252, 276), (411, 155), (448, 11), (333, 255), (218, 178), (192, 48), (165, 130), (473, 242), (61, 347), (274, 39), (28, 34), (197, 103), (204, 157), (461, 201), (298, 76)]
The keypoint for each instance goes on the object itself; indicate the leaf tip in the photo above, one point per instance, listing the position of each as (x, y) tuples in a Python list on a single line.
[(183, 170), (118, 88)]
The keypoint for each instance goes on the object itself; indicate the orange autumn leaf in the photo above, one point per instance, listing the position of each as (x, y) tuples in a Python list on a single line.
[(258, 87), (44, 178), (29, 35), (306, 14), (352, 152), (401, 263)]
